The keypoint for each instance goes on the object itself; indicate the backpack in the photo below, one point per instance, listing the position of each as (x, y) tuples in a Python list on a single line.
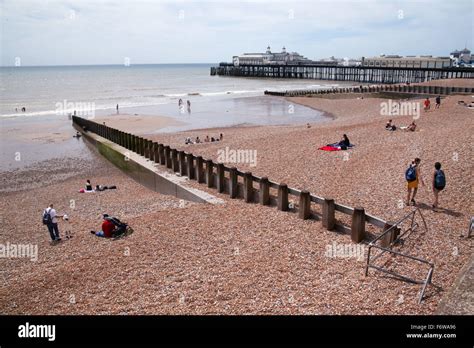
[(440, 180), (47, 218), (410, 174)]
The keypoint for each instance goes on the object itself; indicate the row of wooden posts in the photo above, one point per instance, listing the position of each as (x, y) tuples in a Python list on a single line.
[(414, 89), (214, 176)]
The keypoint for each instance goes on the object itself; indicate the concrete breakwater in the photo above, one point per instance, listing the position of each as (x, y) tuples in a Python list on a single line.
[(409, 89)]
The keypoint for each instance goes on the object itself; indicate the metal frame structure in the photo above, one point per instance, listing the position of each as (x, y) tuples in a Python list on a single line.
[(393, 230)]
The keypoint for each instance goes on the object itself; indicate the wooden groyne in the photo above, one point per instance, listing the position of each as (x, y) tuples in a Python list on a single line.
[(344, 73), (427, 90), (238, 184)]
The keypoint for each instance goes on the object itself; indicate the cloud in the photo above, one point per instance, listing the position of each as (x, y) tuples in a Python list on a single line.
[(60, 32)]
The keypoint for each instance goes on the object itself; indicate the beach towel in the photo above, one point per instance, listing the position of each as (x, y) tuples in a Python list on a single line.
[(334, 147), (330, 148)]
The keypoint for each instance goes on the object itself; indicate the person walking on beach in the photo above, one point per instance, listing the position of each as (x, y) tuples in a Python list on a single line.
[(189, 106), (180, 102), (413, 177), (439, 183), (427, 104), (117, 107), (438, 102), (50, 219)]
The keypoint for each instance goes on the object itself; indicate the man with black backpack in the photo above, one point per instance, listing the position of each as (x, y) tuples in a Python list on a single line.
[(50, 220), (439, 183)]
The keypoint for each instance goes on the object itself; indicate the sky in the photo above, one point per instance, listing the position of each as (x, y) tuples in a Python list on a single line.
[(83, 32)]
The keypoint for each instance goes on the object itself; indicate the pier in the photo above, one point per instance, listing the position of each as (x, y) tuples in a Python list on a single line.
[(364, 74)]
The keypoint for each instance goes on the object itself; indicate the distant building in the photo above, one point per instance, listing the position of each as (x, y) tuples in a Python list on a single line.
[(395, 61), (274, 58), (343, 61), (463, 57)]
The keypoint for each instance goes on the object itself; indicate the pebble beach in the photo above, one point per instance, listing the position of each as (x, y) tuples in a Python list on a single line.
[(238, 258)]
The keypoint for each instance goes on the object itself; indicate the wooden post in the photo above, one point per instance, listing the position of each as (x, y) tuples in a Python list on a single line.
[(209, 178), (161, 151), (182, 163), (389, 237), (150, 150), (304, 211), (248, 187), (233, 187), (283, 197), (264, 196), (174, 160), (199, 169), (329, 218), (220, 177), (142, 146), (147, 148), (167, 156), (156, 155), (190, 159), (358, 225)]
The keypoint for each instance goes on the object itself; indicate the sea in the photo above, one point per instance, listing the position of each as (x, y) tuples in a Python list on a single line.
[(52, 93)]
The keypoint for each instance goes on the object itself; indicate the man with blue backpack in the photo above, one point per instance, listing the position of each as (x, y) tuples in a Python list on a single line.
[(413, 177), (439, 183)]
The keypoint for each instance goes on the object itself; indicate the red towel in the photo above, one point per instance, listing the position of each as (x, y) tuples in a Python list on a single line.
[(330, 148)]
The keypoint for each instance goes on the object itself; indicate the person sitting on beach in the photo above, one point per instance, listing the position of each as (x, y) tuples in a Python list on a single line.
[(427, 104), (198, 140), (212, 139), (188, 141), (206, 139), (221, 136), (108, 228), (389, 126), (412, 127), (344, 142), (88, 186)]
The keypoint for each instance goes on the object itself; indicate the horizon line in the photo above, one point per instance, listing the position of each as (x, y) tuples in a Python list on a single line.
[(83, 65)]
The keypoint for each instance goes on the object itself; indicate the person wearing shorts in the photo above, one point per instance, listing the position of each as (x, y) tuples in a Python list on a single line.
[(412, 186)]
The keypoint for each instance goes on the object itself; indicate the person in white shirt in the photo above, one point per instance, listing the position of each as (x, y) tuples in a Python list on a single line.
[(53, 225)]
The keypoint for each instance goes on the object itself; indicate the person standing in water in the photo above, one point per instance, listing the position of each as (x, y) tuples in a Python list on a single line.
[(189, 105)]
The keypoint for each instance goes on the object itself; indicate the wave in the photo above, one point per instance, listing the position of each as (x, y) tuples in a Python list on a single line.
[(66, 112)]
